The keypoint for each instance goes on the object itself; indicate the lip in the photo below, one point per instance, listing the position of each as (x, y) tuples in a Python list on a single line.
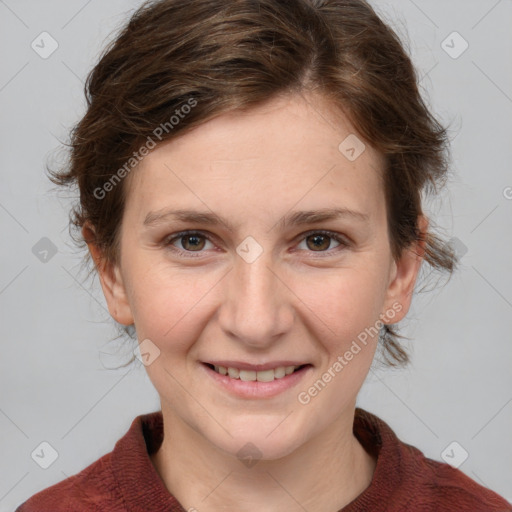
[(255, 389)]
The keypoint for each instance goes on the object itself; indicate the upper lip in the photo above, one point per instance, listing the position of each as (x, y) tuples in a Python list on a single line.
[(255, 367)]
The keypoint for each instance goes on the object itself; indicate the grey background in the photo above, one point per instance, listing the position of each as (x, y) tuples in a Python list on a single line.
[(55, 384)]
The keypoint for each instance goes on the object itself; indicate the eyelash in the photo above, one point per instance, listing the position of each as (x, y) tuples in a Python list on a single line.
[(344, 243)]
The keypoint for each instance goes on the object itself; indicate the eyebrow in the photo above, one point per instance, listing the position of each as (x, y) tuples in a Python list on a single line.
[(293, 219)]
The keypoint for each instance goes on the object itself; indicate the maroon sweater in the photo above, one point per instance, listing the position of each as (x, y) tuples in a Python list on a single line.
[(404, 479)]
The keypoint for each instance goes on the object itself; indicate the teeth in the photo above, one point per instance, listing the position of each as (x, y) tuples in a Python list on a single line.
[(234, 373), (248, 375), (251, 375), (280, 372)]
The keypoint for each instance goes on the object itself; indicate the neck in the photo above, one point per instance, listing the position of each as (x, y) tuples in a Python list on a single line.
[(322, 475)]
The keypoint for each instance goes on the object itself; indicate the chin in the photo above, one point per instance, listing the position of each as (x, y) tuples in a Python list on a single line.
[(251, 440)]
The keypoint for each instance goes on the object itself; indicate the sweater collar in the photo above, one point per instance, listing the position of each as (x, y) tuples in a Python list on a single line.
[(140, 484), (143, 489), (380, 441)]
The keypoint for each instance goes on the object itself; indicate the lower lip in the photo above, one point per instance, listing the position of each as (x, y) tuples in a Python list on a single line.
[(256, 389)]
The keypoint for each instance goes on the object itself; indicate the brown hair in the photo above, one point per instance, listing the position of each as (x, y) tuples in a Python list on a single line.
[(232, 55)]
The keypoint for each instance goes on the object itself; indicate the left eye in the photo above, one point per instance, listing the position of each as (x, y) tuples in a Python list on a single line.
[(321, 241)]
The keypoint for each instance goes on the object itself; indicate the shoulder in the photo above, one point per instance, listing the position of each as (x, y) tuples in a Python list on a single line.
[(447, 489), (93, 489), (112, 481), (405, 479)]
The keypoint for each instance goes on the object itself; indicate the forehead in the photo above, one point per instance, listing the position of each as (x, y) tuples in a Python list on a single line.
[(291, 148)]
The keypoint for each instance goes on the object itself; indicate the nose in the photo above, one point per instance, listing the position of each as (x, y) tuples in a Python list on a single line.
[(257, 305)]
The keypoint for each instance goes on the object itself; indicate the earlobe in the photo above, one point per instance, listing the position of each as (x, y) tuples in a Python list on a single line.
[(111, 281)]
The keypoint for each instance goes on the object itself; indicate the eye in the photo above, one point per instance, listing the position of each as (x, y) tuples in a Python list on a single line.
[(192, 243), (321, 241), (188, 241)]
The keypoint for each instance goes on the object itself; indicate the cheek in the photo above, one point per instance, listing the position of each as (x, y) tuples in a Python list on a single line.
[(170, 305), (343, 303), (343, 310)]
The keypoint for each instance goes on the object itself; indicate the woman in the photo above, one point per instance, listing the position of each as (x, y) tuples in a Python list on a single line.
[(250, 179)]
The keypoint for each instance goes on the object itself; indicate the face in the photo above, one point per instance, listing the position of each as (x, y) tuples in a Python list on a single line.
[(247, 277)]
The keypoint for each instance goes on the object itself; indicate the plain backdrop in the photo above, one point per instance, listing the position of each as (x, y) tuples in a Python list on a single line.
[(55, 382)]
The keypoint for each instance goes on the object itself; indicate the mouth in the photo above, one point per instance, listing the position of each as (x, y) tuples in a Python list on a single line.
[(250, 375)]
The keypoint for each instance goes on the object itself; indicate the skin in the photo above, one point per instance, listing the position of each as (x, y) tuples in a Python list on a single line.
[(294, 301)]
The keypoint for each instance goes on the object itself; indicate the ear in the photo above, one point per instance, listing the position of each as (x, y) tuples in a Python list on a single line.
[(403, 276), (111, 280)]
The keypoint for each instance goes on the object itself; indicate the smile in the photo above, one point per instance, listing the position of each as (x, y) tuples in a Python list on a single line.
[(252, 375), (254, 382)]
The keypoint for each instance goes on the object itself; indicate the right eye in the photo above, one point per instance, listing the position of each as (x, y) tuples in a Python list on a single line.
[(190, 242)]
